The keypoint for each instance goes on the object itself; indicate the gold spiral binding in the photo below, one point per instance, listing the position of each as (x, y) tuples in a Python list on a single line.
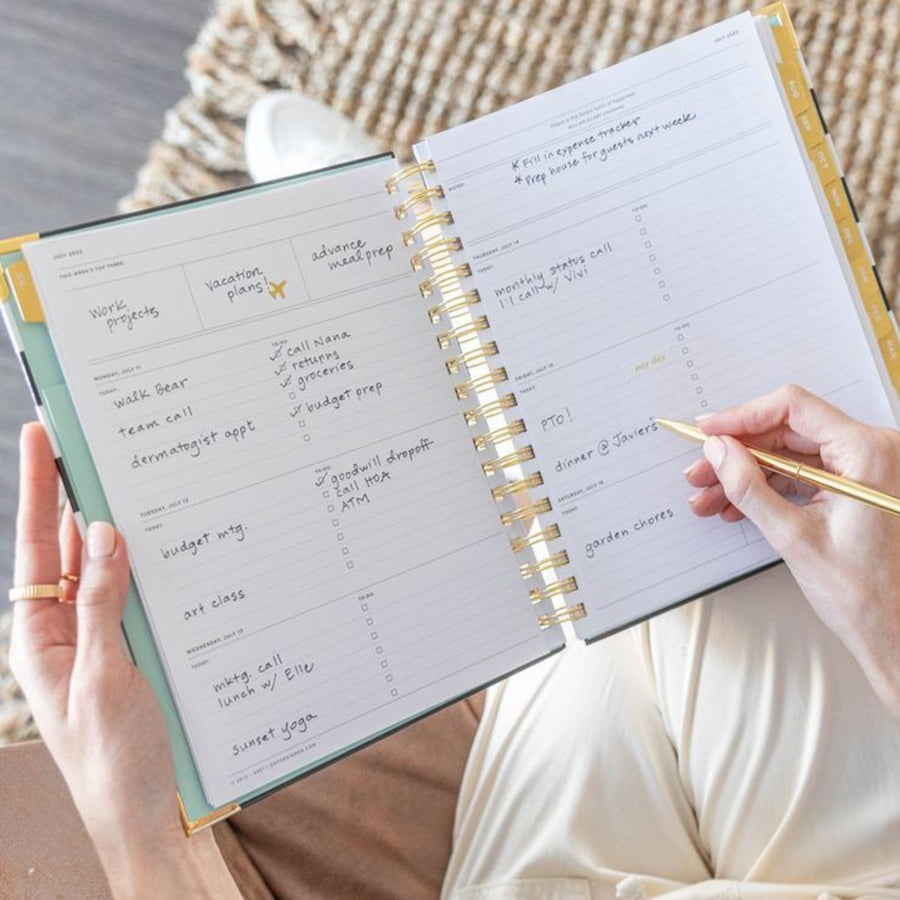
[(499, 434), (393, 183), (524, 454), (528, 511), (507, 401), (442, 245), (417, 197), (566, 586), (551, 533), (556, 561), (430, 221), (466, 359), (445, 279), (569, 614), (446, 338), (437, 251), (454, 304), (482, 382), (516, 487)]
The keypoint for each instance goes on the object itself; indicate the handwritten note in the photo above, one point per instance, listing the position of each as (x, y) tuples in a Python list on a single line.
[(592, 149)]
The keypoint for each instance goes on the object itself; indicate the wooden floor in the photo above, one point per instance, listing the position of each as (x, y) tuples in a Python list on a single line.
[(85, 84)]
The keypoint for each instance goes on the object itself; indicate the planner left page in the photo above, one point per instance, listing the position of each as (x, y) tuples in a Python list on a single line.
[(314, 543)]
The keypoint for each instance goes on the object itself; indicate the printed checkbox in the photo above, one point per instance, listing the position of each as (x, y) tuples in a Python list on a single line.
[(374, 635), (384, 664), (680, 337), (652, 257), (388, 678), (703, 404), (699, 390), (667, 297), (690, 364), (695, 376), (335, 522), (370, 621), (302, 423), (330, 508), (326, 494), (379, 649), (350, 564), (292, 396), (364, 607), (657, 271), (647, 244), (643, 231), (685, 351), (638, 218), (662, 284), (393, 692), (345, 551), (306, 437), (340, 535)]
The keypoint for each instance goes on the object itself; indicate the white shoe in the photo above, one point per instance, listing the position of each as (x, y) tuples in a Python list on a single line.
[(288, 133)]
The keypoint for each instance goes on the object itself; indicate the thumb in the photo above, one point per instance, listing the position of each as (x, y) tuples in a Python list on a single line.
[(101, 595), (747, 490)]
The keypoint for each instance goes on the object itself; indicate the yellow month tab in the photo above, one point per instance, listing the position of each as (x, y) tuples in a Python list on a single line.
[(851, 240), (824, 163), (795, 87), (890, 351), (811, 128), (878, 316), (865, 278), (26, 294), (837, 200)]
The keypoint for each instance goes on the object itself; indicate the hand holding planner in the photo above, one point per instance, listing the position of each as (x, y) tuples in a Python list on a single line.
[(842, 553), (96, 713)]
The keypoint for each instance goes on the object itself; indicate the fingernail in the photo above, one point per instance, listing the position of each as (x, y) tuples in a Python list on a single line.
[(692, 500), (688, 469), (703, 417), (101, 540), (714, 449)]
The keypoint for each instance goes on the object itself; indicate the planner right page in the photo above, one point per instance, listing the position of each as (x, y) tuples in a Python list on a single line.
[(647, 242)]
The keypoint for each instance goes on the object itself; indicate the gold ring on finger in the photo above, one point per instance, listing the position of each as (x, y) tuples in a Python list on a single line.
[(35, 592)]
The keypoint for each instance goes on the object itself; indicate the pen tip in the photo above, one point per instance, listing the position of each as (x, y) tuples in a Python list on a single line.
[(682, 429)]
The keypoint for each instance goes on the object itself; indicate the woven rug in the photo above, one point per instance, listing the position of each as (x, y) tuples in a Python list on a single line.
[(404, 69)]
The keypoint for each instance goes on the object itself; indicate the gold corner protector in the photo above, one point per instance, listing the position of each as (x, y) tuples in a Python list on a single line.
[(12, 244), (192, 826)]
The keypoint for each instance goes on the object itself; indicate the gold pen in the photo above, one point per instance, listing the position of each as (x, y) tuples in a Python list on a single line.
[(793, 469)]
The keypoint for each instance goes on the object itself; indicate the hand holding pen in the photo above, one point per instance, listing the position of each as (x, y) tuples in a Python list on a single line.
[(844, 554)]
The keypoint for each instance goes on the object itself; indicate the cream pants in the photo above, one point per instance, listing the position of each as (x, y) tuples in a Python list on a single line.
[(728, 748)]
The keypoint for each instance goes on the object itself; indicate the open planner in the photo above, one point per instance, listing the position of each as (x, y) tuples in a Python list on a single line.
[(379, 436)]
